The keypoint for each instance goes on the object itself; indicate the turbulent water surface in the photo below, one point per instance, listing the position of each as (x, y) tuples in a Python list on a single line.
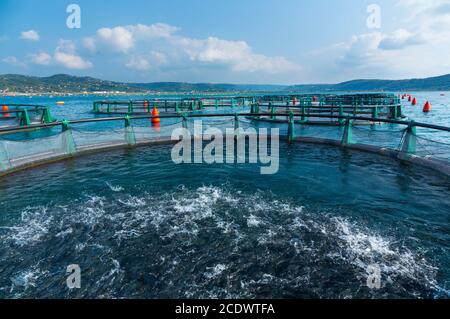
[(140, 226)]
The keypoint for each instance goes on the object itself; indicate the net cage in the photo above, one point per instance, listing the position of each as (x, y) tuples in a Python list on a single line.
[(426, 143)]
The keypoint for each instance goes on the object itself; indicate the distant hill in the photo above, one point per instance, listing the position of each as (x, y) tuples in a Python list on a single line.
[(59, 83), (439, 83), (203, 87), (63, 83)]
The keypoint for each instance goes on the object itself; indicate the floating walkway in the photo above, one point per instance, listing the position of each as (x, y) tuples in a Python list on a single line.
[(407, 141), (377, 106)]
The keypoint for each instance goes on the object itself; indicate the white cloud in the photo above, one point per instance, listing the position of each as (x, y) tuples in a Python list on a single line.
[(159, 58), (41, 58), (154, 31), (123, 38), (138, 63), (417, 48), (30, 35), (12, 60), (159, 45), (89, 43), (65, 54), (400, 39), (118, 38), (236, 54)]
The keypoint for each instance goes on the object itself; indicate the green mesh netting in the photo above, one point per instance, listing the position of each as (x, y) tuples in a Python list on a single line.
[(15, 153), (143, 133), (432, 148), (333, 132), (5, 164), (378, 136), (98, 138), (32, 150)]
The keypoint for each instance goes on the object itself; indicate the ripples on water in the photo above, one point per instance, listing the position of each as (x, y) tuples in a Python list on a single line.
[(142, 227)]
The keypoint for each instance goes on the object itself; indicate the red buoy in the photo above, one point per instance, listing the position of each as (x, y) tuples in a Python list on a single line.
[(314, 98), (414, 101), (294, 101), (145, 106), (5, 109), (155, 120), (409, 98), (427, 107)]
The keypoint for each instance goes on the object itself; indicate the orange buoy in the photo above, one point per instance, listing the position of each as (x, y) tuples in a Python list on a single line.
[(60, 103), (155, 120), (5, 109), (145, 105), (427, 107), (414, 101), (294, 101)]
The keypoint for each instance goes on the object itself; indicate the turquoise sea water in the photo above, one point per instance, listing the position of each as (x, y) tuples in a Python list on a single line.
[(140, 226)]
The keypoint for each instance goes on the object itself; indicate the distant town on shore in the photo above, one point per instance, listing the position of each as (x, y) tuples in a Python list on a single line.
[(61, 84)]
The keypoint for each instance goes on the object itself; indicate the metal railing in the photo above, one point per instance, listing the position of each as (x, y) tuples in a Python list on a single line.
[(22, 112), (71, 141)]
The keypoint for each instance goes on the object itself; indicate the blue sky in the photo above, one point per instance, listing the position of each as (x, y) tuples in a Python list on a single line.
[(246, 41)]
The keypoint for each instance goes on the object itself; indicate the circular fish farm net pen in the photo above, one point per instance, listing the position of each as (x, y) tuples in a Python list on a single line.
[(371, 105), (389, 137), (141, 107)]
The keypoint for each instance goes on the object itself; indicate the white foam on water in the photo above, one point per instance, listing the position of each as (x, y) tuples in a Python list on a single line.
[(184, 213), (33, 225), (253, 221), (215, 271), (133, 201), (116, 189), (24, 280), (365, 248)]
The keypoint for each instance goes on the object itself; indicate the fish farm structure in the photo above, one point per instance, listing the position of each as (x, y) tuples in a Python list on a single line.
[(384, 106), (353, 183), (295, 116), (24, 115)]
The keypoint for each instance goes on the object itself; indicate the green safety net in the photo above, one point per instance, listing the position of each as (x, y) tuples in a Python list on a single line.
[(20, 152), (376, 135), (73, 140), (143, 133), (426, 147), (85, 138)]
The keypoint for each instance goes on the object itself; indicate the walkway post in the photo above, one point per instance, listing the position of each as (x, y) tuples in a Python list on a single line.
[(47, 116), (185, 126), (236, 125), (375, 112), (24, 118), (347, 138), (130, 138), (291, 127), (409, 141), (5, 164), (272, 111), (341, 113), (67, 138)]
